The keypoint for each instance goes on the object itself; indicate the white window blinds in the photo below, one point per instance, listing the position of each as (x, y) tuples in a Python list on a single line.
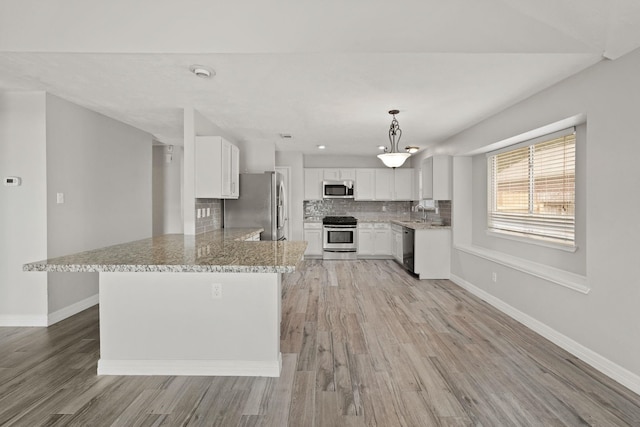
[(532, 189)]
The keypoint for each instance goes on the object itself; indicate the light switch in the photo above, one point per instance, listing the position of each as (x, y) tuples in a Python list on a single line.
[(12, 181)]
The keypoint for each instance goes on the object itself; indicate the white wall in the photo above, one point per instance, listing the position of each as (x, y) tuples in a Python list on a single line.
[(167, 190), (335, 161), (602, 326), (23, 209), (103, 167), (256, 157), (294, 160)]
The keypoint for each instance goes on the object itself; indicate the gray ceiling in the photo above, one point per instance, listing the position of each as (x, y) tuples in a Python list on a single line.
[(326, 72)]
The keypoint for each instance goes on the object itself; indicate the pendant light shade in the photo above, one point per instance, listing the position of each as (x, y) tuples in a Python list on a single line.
[(393, 158)]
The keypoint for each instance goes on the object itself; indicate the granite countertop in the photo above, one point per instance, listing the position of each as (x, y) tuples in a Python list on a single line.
[(402, 220), (420, 225), (382, 218), (221, 250)]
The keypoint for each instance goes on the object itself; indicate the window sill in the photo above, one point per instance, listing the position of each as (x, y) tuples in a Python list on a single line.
[(563, 278), (531, 240)]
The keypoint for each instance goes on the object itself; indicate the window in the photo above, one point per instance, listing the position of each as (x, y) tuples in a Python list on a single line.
[(532, 189)]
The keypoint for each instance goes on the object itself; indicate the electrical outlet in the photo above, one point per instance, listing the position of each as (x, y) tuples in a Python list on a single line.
[(59, 198), (494, 277), (216, 290)]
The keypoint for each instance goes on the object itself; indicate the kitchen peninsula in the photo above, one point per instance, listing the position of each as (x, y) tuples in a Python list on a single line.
[(188, 305)]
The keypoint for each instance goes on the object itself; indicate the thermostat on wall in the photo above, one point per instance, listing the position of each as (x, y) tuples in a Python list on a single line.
[(12, 181)]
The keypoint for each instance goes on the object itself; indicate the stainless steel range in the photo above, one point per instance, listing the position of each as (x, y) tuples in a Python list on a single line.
[(339, 237)]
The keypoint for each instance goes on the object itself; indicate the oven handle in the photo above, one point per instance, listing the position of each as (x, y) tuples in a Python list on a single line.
[(339, 227)]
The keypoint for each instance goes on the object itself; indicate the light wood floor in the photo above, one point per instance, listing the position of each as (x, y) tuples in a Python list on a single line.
[(363, 343)]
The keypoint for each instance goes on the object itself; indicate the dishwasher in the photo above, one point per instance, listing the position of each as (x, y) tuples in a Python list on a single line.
[(408, 240)]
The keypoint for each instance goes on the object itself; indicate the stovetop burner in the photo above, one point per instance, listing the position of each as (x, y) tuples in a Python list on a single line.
[(340, 220)]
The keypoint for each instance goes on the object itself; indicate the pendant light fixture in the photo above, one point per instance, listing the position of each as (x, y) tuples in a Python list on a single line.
[(392, 158)]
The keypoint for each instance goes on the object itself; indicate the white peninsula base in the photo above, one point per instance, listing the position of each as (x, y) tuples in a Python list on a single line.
[(160, 323)]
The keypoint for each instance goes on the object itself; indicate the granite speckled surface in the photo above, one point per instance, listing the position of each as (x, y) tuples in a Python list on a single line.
[(420, 225), (218, 251), (382, 218), (403, 220)]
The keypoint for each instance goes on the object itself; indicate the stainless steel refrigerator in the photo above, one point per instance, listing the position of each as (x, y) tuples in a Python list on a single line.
[(261, 204)]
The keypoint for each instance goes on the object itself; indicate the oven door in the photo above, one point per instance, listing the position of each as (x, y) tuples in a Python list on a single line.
[(340, 238)]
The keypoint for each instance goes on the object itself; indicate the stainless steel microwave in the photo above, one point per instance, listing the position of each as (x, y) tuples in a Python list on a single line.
[(337, 189)]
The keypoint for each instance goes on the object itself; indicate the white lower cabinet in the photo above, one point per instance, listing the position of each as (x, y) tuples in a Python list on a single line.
[(396, 242), (365, 239), (432, 253), (374, 239), (313, 237)]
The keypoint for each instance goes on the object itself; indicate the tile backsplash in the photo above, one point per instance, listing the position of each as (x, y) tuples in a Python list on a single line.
[(443, 212), (362, 209), (212, 222), (327, 207)]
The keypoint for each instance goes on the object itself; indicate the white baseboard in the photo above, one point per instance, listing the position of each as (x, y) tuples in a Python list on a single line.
[(72, 309), (23, 321), (225, 368), (44, 320), (602, 364)]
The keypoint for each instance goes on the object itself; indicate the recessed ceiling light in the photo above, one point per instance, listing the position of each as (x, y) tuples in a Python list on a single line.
[(321, 147), (202, 71)]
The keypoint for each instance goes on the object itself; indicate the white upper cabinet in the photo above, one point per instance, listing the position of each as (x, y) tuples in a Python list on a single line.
[(313, 178), (216, 168), (230, 170), (339, 174), (436, 178), (384, 184), (365, 184), (380, 184), (404, 180), (235, 172)]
